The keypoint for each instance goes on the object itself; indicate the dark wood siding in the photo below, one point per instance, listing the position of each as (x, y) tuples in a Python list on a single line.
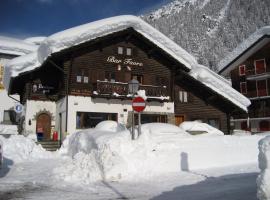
[(197, 109)]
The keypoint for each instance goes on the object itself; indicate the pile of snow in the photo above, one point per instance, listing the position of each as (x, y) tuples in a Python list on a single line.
[(200, 127), (239, 132), (14, 46), (93, 155), (35, 40), (19, 148), (111, 126), (263, 180), (8, 129), (162, 129)]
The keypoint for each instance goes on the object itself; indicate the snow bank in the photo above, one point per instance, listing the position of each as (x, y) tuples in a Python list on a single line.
[(94, 155), (19, 148), (8, 129), (196, 126), (263, 180), (14, 46)]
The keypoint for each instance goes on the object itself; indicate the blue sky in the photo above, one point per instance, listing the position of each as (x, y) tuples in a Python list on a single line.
[(26, 18)]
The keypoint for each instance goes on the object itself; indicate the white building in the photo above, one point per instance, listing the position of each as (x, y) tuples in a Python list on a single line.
[(9, 49)]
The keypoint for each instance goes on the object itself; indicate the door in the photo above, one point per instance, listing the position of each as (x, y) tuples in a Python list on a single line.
[(179, 119), (44, 125)]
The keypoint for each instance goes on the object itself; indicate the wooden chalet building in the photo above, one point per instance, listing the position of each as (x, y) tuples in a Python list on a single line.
[(248, 67), (79, 77)]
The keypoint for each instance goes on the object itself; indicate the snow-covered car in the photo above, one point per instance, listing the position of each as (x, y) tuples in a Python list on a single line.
[(162, 129), (196, 128)]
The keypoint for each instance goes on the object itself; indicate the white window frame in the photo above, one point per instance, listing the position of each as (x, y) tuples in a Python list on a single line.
[(240, 70), (79, 79), (129, 51), (241, 83), (256, 67), (120, 50), (183, 96)]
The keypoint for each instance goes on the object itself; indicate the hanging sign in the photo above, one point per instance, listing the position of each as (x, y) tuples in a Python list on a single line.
[(18, 108)]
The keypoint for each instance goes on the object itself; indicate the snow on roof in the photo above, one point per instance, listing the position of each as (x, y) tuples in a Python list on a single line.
[(16, 47), (80, 34), (220, 85), (35, 40), (240, 49)]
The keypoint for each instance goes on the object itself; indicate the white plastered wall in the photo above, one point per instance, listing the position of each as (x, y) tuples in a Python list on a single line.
[(35, 107), (88, 104), (60, 118)]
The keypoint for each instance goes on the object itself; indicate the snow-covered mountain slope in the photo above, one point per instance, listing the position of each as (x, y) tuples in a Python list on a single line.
[(209, 29)]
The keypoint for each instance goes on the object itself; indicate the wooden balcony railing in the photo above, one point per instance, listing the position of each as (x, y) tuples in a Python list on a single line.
[(105, 88)]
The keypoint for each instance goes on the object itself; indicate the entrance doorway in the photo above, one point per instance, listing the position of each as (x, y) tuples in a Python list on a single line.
[(44, 125), (179, 119)]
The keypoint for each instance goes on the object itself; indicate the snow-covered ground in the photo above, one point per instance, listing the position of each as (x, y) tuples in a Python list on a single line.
[(263, 180), (165, 162)]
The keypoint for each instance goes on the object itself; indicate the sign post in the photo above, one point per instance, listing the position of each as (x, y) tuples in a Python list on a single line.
[(138, 104)]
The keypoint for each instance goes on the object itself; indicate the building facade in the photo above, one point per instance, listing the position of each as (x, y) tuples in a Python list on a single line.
[(82, 84), (249, 71)]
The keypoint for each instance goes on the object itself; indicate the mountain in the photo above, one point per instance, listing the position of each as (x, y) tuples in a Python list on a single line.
[(209, 29)]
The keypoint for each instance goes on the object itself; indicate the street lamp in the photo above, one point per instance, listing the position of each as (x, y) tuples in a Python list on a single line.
[(133, 87)]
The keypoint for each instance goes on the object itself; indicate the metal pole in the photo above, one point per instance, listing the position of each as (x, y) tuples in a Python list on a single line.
[(132, 128), (139, 125)]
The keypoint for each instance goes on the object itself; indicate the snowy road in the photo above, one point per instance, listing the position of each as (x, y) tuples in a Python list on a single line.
[(35, 180)]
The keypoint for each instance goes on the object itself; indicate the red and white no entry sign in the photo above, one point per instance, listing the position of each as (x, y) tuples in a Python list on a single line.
[(138, 104)]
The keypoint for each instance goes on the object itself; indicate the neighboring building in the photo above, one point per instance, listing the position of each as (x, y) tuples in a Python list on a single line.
[(78, 77), (248, 66), (9, 49)]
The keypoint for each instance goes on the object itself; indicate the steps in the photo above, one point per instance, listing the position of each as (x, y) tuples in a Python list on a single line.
[(50, 145)]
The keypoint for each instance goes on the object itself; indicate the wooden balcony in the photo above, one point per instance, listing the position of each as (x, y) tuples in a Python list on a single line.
[(120, 90)]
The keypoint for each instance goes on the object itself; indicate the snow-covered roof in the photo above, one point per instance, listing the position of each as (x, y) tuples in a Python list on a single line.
[(80, 34), (220, 85), (35, 40), (240, 53), (16, 47)]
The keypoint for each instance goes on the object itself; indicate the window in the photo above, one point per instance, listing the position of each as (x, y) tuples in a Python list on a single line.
[(129, 51), (120, 50), (242, 70), (91, 119), (9, 117), (82, 76), (183, 97), (137, 77), (243, 87), (261, 88), (259, 66)]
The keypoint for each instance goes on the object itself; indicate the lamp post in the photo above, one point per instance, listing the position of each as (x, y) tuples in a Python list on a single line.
[(133, 87)]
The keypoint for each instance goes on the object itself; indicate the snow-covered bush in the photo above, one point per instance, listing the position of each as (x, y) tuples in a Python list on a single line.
[(263, 180), (196, 127)]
